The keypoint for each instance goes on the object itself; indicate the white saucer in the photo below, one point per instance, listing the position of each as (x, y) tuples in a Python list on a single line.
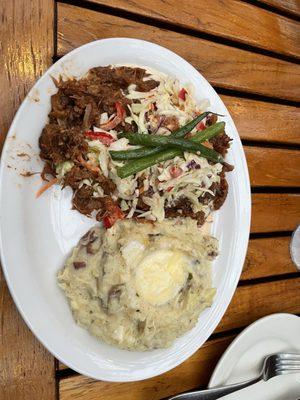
[(243, 359)]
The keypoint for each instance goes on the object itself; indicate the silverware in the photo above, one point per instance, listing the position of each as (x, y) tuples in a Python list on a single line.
[(273, 365)]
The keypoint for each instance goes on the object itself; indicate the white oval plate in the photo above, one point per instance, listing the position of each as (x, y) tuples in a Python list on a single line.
[(243, 359), (37, 235)]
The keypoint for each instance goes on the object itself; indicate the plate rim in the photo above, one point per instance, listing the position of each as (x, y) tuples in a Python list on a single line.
[(247, 215), (240, 336)]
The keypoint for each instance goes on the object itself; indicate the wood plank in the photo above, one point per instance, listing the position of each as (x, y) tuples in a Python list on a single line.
[(252, 302), (223, 66), (264, 121), (234, 20), (289, 6), (275, 212), (268, 257), (26, 368), (25, 55), (273, 167), (193, 373)]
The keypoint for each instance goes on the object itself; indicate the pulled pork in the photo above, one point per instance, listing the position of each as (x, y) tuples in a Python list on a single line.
[(221, 143), (96, 93), (59, 144), (76, 108)]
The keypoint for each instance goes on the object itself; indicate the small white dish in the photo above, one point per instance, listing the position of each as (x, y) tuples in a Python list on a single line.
[(295, 247), (243, 359), (37, 235)]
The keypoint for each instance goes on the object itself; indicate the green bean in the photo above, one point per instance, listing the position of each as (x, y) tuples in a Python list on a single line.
[(134, 166), (179, 133), (208, 133), (204, 135), (134, 154), (168, 141)]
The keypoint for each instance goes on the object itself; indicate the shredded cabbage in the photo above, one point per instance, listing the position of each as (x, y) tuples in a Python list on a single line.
[(62, 168), (157, 187)]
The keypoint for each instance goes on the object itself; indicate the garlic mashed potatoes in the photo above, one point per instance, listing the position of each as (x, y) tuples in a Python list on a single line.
[(139, 286)]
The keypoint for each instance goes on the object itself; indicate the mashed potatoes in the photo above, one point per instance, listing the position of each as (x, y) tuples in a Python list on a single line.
[(139, 286)]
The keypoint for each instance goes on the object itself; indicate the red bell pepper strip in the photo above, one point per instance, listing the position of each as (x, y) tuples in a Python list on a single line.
[(201, 126), (120, 110), (113, 214), (182, 93), (104, 138)]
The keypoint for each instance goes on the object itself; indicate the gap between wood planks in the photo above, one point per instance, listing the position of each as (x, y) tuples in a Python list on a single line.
[(270, 144), (275, 189), (255, 96), (276, 10), (149, 20), (55, 25)]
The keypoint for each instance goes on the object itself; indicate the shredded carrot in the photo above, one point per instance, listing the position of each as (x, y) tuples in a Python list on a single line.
[(80, 159), (92, 168), (88, 165), (46, 187)]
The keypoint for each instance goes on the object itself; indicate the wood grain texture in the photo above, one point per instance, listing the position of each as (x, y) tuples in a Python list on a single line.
[(231, 19), (273, 167), (268, 257), (275, 212), (26, 30), (191, 374), (223, 66), (290, 6), (264, 121), (26, 368), (252, 302)]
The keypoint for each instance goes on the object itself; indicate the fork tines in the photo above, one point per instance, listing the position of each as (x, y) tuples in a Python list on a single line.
[(286, 362)]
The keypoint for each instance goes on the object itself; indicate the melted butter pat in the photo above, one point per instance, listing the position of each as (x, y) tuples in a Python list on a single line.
[(160, 276)]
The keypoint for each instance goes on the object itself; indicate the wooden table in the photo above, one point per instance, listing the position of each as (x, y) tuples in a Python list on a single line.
[(250, 52)]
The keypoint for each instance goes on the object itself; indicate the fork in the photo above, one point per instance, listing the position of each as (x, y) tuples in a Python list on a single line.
[(273, 365)]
